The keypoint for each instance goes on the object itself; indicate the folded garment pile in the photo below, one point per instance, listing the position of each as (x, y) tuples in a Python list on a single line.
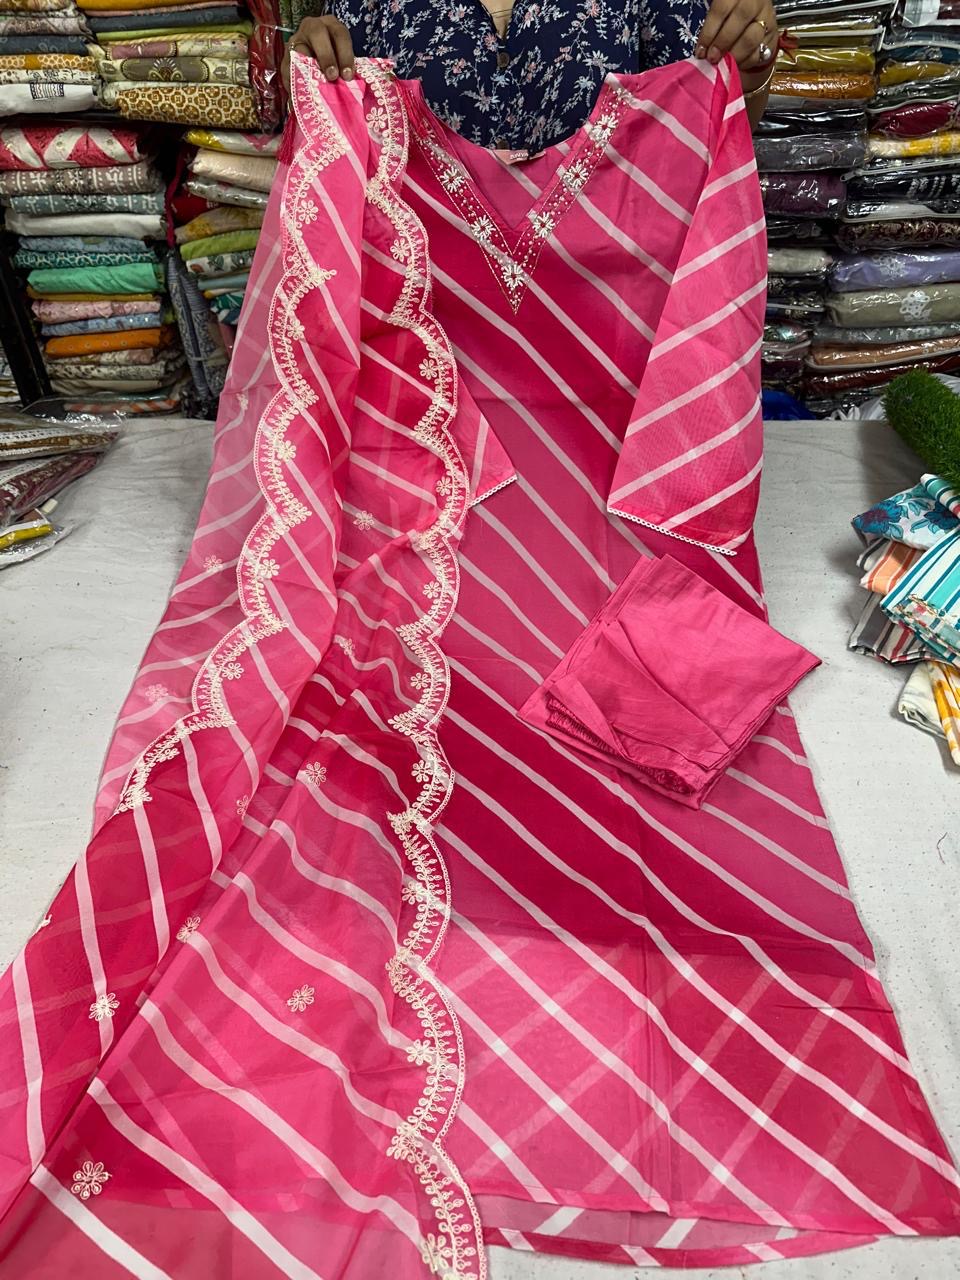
[(176, 61), (8, 388), (37, 461), (233, 172), (87, 205), (911, 615), (44, 61), (814, 132), (894, 296)]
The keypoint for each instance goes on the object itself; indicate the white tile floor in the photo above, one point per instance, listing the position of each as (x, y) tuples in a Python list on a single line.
[(73, 625)]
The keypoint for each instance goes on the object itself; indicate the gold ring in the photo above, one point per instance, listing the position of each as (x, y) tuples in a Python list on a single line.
[(762, 25)]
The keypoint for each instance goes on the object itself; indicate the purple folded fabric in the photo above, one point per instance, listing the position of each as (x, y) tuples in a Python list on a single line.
[(807, 195), (885, 270)]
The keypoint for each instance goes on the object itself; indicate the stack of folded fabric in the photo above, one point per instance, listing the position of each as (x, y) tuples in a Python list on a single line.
[(44, 62), (234, 173), (8, 388), (176, 61), (911, 571), (814, 132), (86, 203), (37, 461)]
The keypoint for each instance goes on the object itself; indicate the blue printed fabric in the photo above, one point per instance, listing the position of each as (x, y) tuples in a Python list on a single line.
[(915, 517)]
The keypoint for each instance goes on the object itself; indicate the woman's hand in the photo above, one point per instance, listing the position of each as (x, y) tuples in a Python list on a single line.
[(328, 41), (747, 29)]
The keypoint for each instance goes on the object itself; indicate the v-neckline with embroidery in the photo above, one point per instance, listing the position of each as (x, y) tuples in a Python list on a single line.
[(512, 250)]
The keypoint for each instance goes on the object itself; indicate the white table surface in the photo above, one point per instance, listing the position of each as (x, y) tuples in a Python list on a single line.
[(74, 624)]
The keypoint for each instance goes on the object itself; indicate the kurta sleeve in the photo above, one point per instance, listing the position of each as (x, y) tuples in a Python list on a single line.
[(691, 455)]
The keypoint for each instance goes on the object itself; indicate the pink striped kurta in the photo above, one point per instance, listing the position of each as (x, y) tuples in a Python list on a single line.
[(359, 971)]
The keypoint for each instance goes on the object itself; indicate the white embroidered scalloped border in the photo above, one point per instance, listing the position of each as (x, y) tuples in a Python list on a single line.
[(455, 1250)]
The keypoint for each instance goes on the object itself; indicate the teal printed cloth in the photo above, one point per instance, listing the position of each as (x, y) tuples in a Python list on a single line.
[(927, 598), (28, 259), (103, 202), (919, 517), (81, 244)]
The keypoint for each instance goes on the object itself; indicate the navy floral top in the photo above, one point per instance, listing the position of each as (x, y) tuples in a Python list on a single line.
[(537, 84)]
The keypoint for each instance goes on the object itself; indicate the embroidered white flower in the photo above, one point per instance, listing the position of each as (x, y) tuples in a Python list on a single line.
[(399, 251), (422, 771), (452, 178), (543, 224), (363, 520), (437, 1253), (343, 643), (243, 804), (231, 671), (377, 120), (265, 569), (413, 892), (213, 564), (602, 130), (104, 1007), (482, 229), (575, 175), (243, 399), (88, 1180), (308, 211), (286, 450), (316, 773), (429, 369), (513, 274), (156, 692), (188, 928), (433, 590), (301, 998), (296, 328), (420, 1053), (420, 680), (444, 486)]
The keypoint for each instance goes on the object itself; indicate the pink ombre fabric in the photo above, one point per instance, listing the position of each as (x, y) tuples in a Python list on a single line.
[(359, 971)]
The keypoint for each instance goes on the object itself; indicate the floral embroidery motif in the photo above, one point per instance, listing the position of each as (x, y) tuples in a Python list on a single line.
[(444, 486), (286, 450), (915, 305), (231, 671), (104, 1007), (301, 998), (513, 274), (316, 773), (307, 213), (543, 224), (420, 1053), (430, 370), (575, 175), (419, 680), (265, 569), (452, 178), (432, 590), (399, 251), (422, 771), (414, 892), (295, 328), (602, 130), (243, 804), (89, 1179), (437, 1253), (343, 643), (364, 520), (213, 564), (156, 692), (188, 928), (482, 228)]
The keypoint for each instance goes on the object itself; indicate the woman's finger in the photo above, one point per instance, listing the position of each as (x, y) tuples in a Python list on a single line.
[(747, 52), (342, 47), (717, 15), (745, 22)]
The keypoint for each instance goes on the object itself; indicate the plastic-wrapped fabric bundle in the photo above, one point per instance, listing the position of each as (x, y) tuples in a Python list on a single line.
[(798, 262), (787, 121), (929, 13), (829, 386), (874, 270), (930, 186), (887, 210), (803, 195), (844, 61), (899, 234), (916, 119), (939, 144), (793, 229), (810, 151), (831, 335), (820, 84), (824, 356), (785, 332), (933, 304)]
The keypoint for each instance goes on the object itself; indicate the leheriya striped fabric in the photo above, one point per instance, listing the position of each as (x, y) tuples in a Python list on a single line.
[(362, 973)]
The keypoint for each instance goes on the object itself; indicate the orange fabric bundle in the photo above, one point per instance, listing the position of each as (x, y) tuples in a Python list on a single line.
[(81, 344)]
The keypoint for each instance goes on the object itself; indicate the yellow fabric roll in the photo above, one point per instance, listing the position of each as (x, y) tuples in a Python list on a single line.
[(937, 144), (945, 682), (904, 72), (91, 297), (849, 60)]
